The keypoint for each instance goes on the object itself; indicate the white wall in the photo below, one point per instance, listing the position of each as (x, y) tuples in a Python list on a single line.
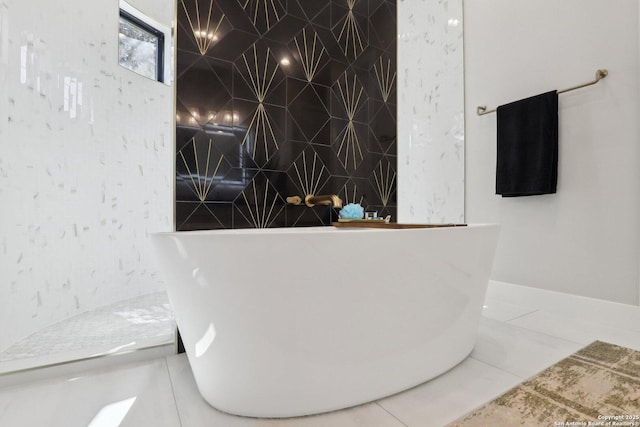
[(430, 112), (583, 240), (86, 165)]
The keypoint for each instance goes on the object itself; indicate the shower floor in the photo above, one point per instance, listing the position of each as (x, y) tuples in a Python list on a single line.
[(135, 323)]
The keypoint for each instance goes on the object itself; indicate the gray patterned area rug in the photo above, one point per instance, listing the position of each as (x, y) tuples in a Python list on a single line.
[(597, 386)]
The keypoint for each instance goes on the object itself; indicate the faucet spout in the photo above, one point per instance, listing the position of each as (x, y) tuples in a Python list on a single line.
[(328, 200)]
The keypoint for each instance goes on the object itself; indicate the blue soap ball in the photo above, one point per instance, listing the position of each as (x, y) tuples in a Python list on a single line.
[(352, 211)]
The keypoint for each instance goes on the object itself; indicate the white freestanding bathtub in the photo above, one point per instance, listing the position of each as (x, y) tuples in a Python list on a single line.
[(295, 321)]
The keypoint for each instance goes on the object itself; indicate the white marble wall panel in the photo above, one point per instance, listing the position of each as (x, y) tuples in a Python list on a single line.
[(86, 163), (430, 111)]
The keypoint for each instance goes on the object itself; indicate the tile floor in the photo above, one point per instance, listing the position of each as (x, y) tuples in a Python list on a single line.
[(518, 337), (134, 323)]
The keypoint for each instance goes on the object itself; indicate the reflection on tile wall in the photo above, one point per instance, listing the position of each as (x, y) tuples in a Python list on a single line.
[(277, 98), (86, 164)]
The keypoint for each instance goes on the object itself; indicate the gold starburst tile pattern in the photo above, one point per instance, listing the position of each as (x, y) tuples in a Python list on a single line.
[(204, 29), (301, 92), (263, 12), (385, 78), (309, 174), (350, 38), (202, 183), (349, 150), (260, 131), (385, 178), (262, 211), (352, 197), (310, 53)]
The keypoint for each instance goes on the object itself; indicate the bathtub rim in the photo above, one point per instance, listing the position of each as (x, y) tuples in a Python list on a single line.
[(320, 229)]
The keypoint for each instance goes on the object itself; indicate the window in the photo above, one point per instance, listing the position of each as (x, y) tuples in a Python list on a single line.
[(142, 44)]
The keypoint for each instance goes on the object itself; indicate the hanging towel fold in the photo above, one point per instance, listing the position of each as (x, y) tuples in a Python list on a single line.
[(527, 161)]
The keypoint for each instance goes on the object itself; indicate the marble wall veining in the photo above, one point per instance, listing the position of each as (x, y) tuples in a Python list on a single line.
[(86, 163), (430, 111)]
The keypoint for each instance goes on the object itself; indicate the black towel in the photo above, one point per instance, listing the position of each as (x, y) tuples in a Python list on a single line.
[(527, 161)]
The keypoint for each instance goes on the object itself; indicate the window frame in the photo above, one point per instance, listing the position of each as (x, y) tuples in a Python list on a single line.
[(164, 36)]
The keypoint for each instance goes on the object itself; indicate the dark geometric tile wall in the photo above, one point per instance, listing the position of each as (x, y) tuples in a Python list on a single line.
[(277, 98)]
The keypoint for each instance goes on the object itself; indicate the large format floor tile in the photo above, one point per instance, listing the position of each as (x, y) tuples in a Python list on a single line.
[(504, 311), (452, 394), (570, 306), (518, 337), (519, 351), (138, 394), (195, 412), (578, 330)]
